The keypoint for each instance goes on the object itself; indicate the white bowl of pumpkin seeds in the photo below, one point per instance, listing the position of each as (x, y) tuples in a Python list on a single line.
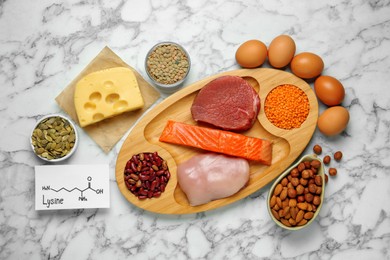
[(54, 138), (167, 65)]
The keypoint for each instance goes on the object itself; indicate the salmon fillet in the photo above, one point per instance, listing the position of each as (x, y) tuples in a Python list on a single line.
[(219, 141)]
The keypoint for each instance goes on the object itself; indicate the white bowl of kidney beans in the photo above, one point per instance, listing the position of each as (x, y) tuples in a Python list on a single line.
[(146, 175)]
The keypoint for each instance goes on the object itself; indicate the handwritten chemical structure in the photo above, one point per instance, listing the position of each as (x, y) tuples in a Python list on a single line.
[(71, 187), (82, 197)]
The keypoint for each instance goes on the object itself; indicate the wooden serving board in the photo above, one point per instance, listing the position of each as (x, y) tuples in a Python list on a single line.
[(287, 144)]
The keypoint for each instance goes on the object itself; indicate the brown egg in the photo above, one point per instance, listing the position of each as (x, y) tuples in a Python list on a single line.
[(333, 120), (251, 54), (307, 65), (329, 90), (281, 51)]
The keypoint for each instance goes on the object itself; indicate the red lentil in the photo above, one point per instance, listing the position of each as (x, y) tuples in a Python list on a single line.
[(287, 106)]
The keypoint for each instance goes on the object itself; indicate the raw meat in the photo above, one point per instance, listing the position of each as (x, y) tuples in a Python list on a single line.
[(228, 102), (219, 141), (208, 177)]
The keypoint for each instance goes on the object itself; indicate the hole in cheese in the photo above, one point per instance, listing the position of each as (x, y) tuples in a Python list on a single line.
[(112, 98), (98, 116), (95, 96), (120, 105), (89, 106)]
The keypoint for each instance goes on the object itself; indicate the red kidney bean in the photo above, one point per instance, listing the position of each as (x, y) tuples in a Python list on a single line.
[(153, 186), (133, 167), (143, 177), (135, 159), (146, 175), (158, 161), (128, 165)]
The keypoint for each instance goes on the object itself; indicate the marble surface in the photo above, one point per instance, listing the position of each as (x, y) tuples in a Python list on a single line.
[(45, 44)]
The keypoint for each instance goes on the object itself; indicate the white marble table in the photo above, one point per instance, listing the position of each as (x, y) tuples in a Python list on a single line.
[(45, 44)]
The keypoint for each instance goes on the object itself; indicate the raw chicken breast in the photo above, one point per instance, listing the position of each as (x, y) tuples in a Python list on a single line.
[(212, 176)]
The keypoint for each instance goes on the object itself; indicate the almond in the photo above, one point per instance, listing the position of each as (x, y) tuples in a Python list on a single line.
[(302, 222), (272, 202), (302, 205), (283, 194), (292, 203), (275, 214), (285, 222), (292, 221), (293, 212), (284, 182), (281, 213), (308, 215), (285, 203), (299, 216), (279, 202), (278, 189), (286, 210)]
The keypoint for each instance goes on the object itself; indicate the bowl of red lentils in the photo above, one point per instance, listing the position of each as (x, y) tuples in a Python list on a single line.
[(167, 65)]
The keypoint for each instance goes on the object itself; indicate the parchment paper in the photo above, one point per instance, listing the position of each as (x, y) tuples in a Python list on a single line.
[(108, 132)]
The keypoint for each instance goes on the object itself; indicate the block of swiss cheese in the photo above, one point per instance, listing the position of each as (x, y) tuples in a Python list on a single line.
[(106, 93), (108, 132)]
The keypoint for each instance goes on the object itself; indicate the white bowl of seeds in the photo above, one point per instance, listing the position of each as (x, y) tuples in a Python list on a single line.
[(54, 138), (167, 65)]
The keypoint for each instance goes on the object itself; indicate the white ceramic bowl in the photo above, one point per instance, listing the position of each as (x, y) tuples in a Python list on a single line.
[(168, 88), (71, 151), (321, 173)]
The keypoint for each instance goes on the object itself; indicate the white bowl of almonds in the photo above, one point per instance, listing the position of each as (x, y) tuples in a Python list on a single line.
[(167, 65), (297, 195), (54, 138)]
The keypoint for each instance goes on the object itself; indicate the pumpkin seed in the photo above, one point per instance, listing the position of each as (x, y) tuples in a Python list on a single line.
[(53, 138)]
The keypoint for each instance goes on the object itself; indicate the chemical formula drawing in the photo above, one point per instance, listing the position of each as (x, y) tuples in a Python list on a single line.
[(71, 187)]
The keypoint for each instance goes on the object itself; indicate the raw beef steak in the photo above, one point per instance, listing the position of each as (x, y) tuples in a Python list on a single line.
[(228, 102)]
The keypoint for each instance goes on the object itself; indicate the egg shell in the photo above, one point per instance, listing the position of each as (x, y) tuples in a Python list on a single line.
[(333, 120), (281, 51), (329, 90), (307, 65), (251, 54)]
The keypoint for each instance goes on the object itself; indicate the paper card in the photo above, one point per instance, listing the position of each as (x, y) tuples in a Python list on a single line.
[(71, 187)]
